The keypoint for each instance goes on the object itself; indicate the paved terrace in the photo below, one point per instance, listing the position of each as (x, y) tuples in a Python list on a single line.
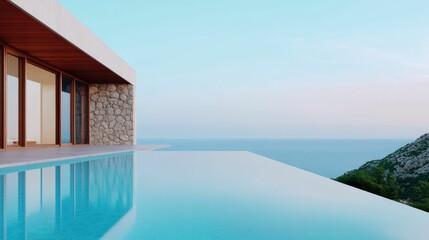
[(21, 157)]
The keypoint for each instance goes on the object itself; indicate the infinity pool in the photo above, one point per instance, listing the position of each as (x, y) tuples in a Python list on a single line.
[(193, 195)]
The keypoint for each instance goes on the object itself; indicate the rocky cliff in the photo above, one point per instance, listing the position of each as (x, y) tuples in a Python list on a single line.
[(411, 160), (402, 176)]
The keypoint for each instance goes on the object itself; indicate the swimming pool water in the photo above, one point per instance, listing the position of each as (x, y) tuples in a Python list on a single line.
[(193, 195)]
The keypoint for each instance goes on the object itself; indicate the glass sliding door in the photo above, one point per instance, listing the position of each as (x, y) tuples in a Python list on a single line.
[(37, 107), (81, 113), (12, 100), (66, 110), (40, 106)]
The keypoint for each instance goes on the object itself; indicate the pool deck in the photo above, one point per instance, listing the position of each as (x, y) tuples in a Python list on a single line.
[(12, 158)]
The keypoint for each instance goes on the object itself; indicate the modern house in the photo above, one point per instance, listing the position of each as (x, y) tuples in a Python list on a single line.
[(59, 84)]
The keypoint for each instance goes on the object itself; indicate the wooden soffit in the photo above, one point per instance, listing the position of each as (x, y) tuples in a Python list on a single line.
[(22, 31)]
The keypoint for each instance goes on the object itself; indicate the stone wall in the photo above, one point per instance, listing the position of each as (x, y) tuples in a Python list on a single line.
[(112, 120)]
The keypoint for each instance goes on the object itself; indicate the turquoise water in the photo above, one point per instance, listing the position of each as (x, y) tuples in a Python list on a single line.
[(193, 195), (329, 158)]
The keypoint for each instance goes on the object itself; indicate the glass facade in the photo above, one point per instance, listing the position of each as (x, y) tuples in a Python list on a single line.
[(66, 110), (40, 106), (12, 100), (81, 113)]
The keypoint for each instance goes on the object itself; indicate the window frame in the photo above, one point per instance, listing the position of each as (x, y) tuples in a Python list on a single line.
[(23, 60)]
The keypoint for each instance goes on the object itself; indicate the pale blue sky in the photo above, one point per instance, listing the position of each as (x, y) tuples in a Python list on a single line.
[(282, 69)]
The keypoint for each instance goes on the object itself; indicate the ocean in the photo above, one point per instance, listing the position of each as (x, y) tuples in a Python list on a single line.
[(329, 158)]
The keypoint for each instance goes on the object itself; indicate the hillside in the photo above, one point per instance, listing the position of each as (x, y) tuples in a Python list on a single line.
[(402, 175)]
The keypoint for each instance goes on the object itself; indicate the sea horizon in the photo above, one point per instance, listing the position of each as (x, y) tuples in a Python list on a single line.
[(326, 157)]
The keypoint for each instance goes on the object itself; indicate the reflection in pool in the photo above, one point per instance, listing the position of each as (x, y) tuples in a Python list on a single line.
[(61, 201), (193, 196)]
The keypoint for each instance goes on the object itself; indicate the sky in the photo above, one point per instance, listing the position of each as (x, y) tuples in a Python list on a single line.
[(271, 69)]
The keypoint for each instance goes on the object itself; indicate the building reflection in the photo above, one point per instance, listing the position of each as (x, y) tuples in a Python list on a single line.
[(85, 198)]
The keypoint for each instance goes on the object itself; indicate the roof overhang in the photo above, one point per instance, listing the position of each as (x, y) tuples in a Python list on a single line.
[(47, 31)]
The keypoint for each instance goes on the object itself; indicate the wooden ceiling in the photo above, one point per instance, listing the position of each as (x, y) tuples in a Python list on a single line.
[(21, 31)]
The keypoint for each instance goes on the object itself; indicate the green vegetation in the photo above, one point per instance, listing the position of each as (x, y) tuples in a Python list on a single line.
[(376, 179), (373, 180), (402, 175)]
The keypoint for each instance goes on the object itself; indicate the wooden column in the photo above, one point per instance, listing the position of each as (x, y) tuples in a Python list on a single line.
[(22, 102), (58, 108), (2, 98), (73, 112)]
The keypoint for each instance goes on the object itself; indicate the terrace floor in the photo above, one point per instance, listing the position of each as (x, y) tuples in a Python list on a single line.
[(21, 157)]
